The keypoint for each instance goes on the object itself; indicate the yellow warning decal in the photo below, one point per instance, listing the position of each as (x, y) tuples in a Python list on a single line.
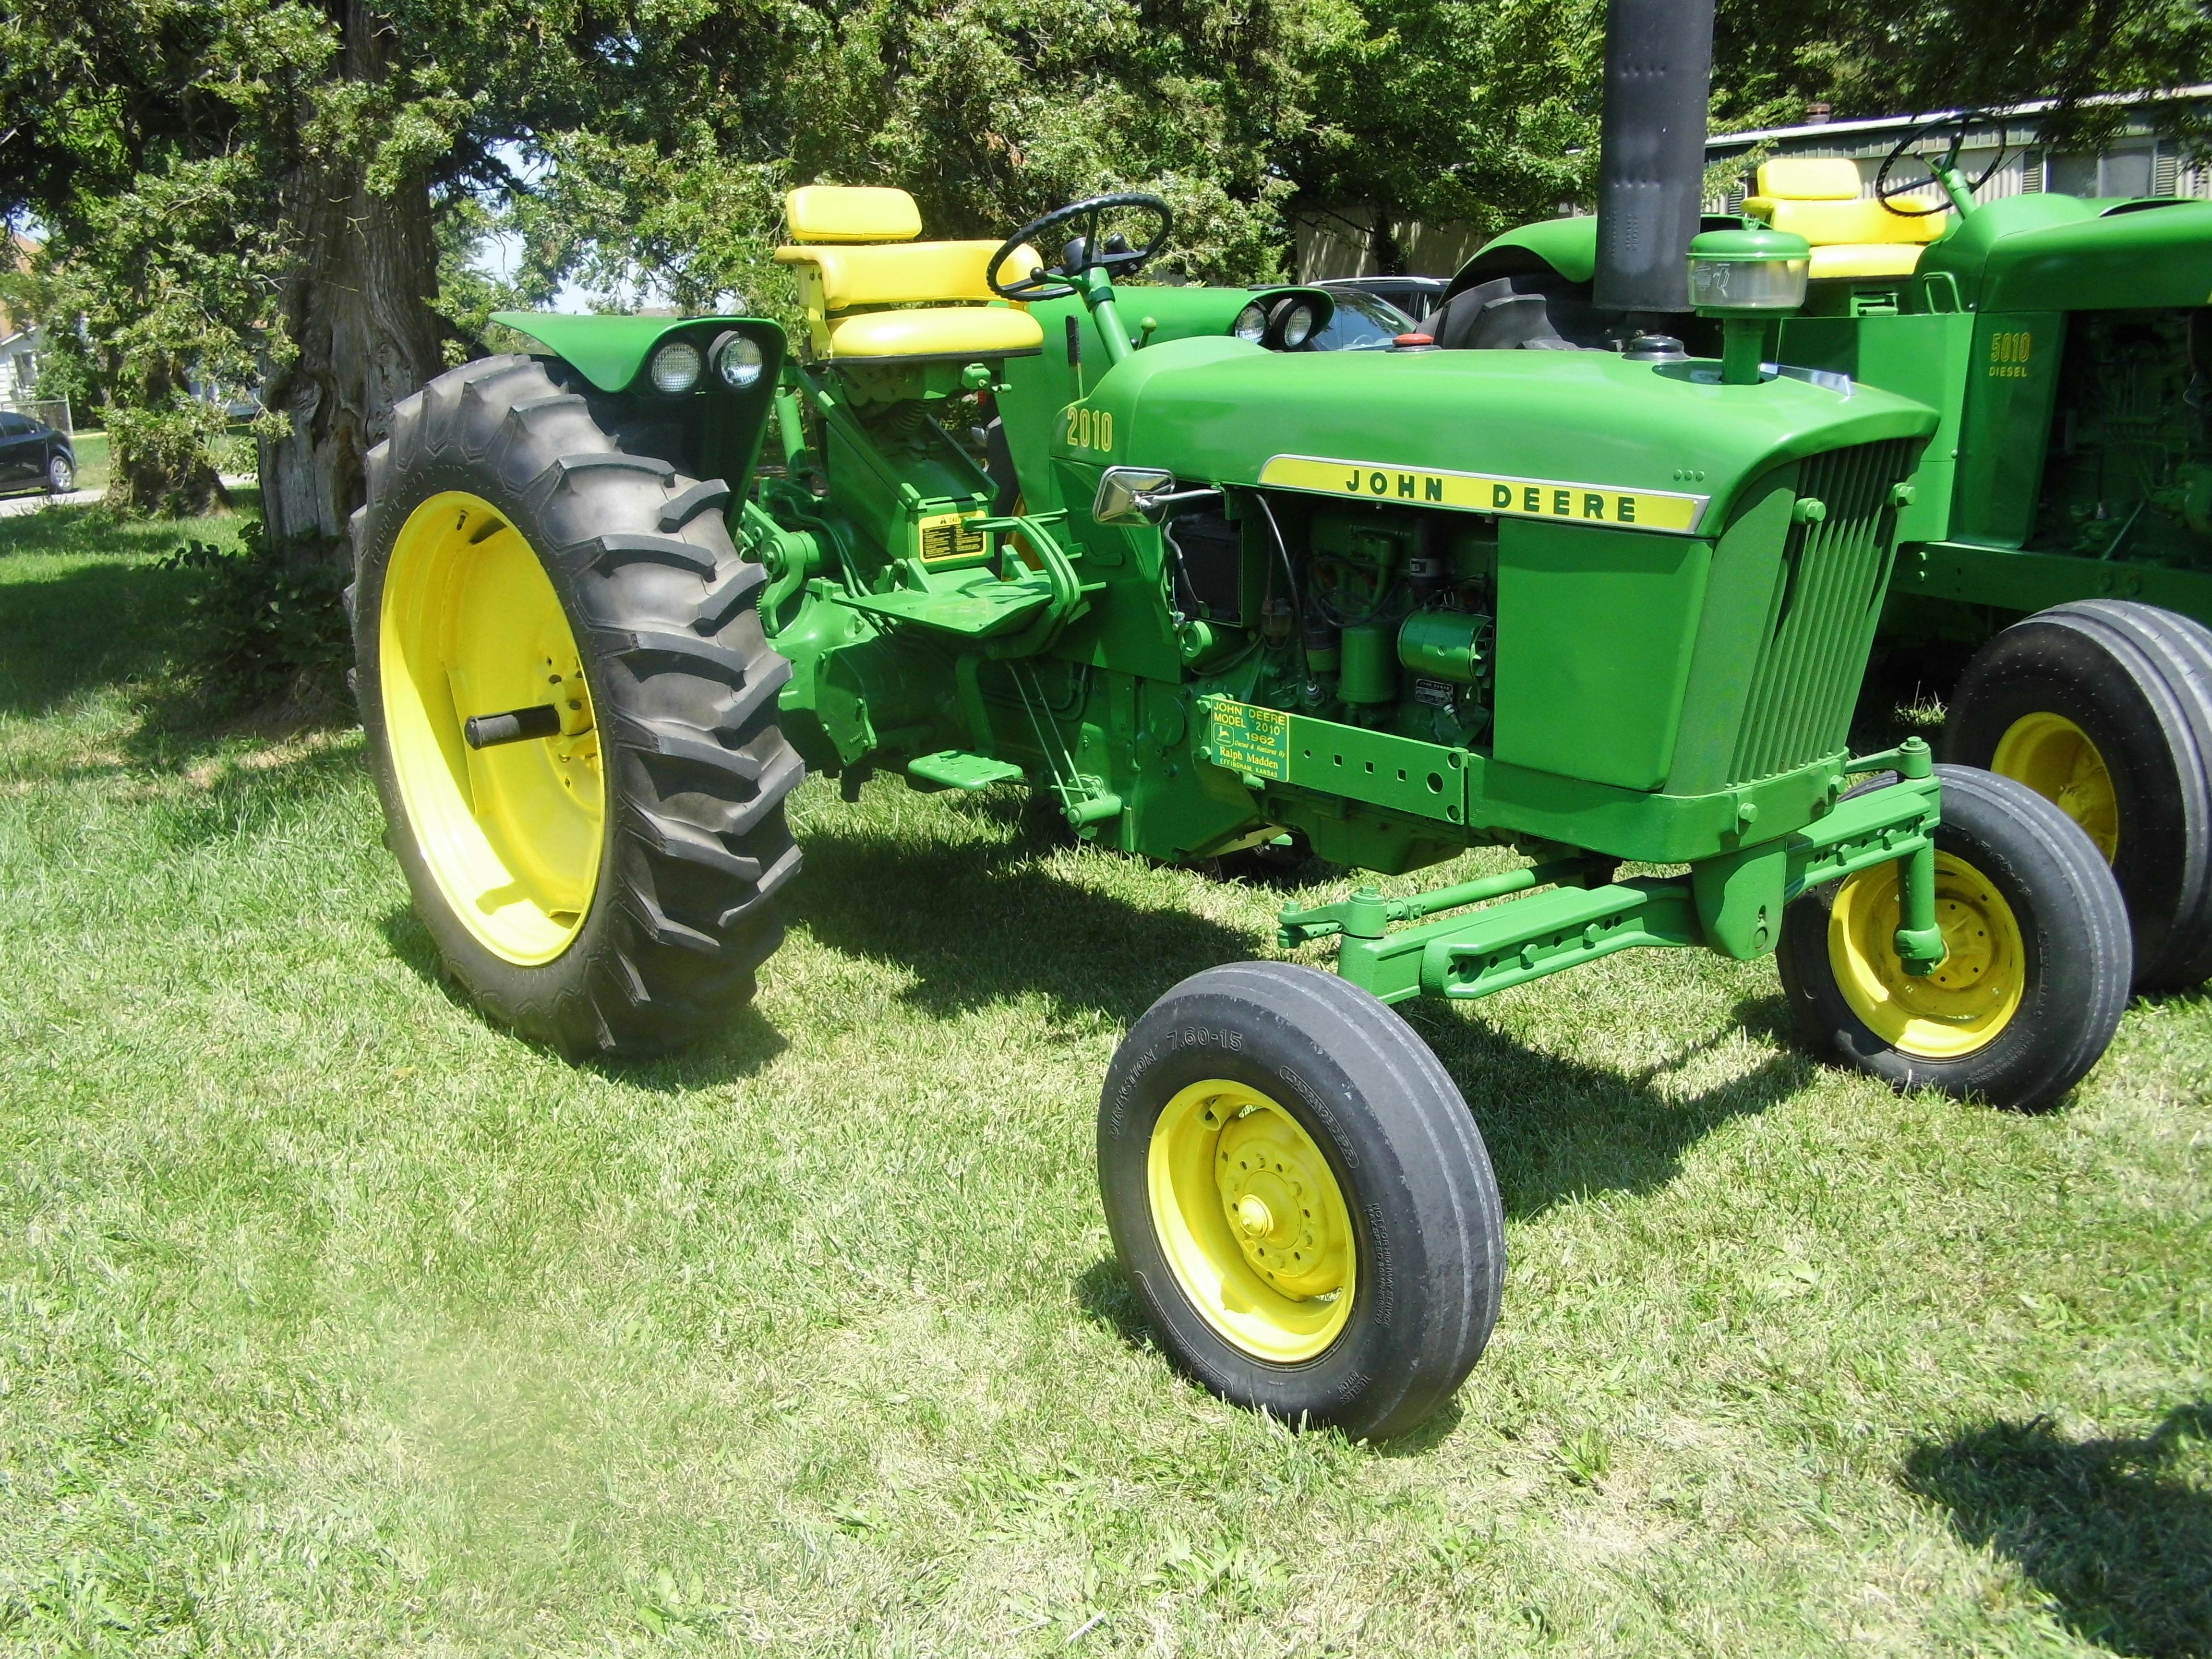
[(946, 537), (1484, 492)]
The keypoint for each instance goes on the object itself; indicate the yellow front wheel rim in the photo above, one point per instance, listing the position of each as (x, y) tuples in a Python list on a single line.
[(2055, 758), (513, 835), (1253, 1223), (1968, 998)]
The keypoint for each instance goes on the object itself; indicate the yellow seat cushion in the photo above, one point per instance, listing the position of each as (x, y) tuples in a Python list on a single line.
[(1866, 259), (949, 332), (1810, 178), (847, 213)]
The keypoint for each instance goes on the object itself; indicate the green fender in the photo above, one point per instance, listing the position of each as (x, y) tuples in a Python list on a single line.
[(610, 350)]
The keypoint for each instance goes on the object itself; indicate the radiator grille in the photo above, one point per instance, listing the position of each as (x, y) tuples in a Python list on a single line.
[(1807, 677)]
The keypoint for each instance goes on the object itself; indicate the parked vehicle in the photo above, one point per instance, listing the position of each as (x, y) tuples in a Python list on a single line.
[(1417, 296), (34, 456)]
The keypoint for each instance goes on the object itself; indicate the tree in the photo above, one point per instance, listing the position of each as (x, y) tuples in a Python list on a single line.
[(140, 137)]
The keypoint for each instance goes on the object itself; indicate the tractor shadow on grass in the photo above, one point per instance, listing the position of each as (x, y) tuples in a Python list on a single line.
[(1560, 1130), (739, 1047), (2115, 1532), (983, 922)]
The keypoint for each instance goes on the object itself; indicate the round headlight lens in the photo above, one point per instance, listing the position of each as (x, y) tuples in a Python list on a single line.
[(1297, 326), (1251, 324), (738, 363), (676, 368)]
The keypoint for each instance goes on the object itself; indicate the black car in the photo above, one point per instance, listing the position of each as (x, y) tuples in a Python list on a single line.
[(34, 456), (1417, 296)]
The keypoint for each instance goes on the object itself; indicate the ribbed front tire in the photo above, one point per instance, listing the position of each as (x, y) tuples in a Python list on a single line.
[(682, 743)]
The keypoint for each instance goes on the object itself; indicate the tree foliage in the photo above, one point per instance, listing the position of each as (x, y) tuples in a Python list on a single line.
[(299, 187)]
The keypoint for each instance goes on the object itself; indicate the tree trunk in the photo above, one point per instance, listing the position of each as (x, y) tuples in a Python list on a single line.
[(1382, 245), (355, 307)]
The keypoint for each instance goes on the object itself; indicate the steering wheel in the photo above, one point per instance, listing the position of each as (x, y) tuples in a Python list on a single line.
[(1887, 194), (1082, 252)]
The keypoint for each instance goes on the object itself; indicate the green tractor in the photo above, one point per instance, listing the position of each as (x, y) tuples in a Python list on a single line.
[(1006, 517)]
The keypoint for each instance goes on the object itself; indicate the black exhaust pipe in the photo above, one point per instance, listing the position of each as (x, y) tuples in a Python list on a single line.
[(1651, 151)]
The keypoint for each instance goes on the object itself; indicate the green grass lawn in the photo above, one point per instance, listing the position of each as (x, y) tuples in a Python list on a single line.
[(333, 1321), (91, 449)]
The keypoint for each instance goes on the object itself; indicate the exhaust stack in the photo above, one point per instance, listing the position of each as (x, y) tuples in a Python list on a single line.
[(1651, 151)]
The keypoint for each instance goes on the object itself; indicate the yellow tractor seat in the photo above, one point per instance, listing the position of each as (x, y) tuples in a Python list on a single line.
[(1818, 198), (872, 293)]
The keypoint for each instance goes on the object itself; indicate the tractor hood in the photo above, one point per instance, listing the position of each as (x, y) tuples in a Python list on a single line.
[(1586, 434)]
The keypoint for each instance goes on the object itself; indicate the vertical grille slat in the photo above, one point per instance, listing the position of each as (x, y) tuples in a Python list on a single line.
[(1801, 693)]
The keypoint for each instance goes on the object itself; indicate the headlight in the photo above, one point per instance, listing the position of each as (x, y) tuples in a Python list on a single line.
[(1297, 324), (737, 361), (676, 368), (1251, 324)]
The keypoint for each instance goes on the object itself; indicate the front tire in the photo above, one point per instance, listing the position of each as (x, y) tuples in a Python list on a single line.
[(1300, 1199), (61, 475), (2105, 707), (2036, 977), (608, 887)]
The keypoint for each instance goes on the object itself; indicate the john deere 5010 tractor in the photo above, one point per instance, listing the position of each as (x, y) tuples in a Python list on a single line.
[(1203, 590)]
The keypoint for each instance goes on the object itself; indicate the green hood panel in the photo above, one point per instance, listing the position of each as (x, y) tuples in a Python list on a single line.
[(609, 349), (2058, 253), (1220, 410)]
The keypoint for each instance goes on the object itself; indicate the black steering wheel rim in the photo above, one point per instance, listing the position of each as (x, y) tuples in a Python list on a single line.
[(1958, 121), (1051, 281)]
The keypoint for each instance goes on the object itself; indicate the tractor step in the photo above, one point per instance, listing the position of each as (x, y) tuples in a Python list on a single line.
[(956, 768), (977, 609)]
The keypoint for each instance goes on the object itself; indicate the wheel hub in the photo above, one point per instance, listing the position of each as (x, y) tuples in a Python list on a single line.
[(1967, 950), (1973, 993), (2057, 759), (1266, 1171), (1252, 1222)]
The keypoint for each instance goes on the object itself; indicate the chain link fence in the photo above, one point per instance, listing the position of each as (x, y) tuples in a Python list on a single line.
[(54, 411)]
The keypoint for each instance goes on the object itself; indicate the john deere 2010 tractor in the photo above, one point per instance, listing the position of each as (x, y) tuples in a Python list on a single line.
[(1202, 590)]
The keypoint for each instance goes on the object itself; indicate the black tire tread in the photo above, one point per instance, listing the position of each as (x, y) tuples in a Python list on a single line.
[(685, 684), (2166, 662), (1449, 1296)]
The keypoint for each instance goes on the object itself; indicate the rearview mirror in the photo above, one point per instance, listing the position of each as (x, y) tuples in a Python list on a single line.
[(1128, 494)]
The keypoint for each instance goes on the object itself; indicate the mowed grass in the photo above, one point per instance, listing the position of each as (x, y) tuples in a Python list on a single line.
[(333, 1321), (91, 460)]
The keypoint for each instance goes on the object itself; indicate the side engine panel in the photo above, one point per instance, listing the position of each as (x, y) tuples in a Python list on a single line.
[(2128, 472)]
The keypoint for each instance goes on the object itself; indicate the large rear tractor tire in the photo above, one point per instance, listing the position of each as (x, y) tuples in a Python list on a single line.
[(2036, 975), (1300, 1199), (599, 870), (2105, 707)]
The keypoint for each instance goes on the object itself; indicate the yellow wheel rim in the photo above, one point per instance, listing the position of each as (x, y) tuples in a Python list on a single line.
[(1970, 998), (1253, 1223), (2053, 756), (513, 835)]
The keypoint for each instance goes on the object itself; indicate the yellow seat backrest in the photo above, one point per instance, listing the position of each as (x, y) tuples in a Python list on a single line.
[(947, 273), (1818, 198), (847, 213), (1810, 178)]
